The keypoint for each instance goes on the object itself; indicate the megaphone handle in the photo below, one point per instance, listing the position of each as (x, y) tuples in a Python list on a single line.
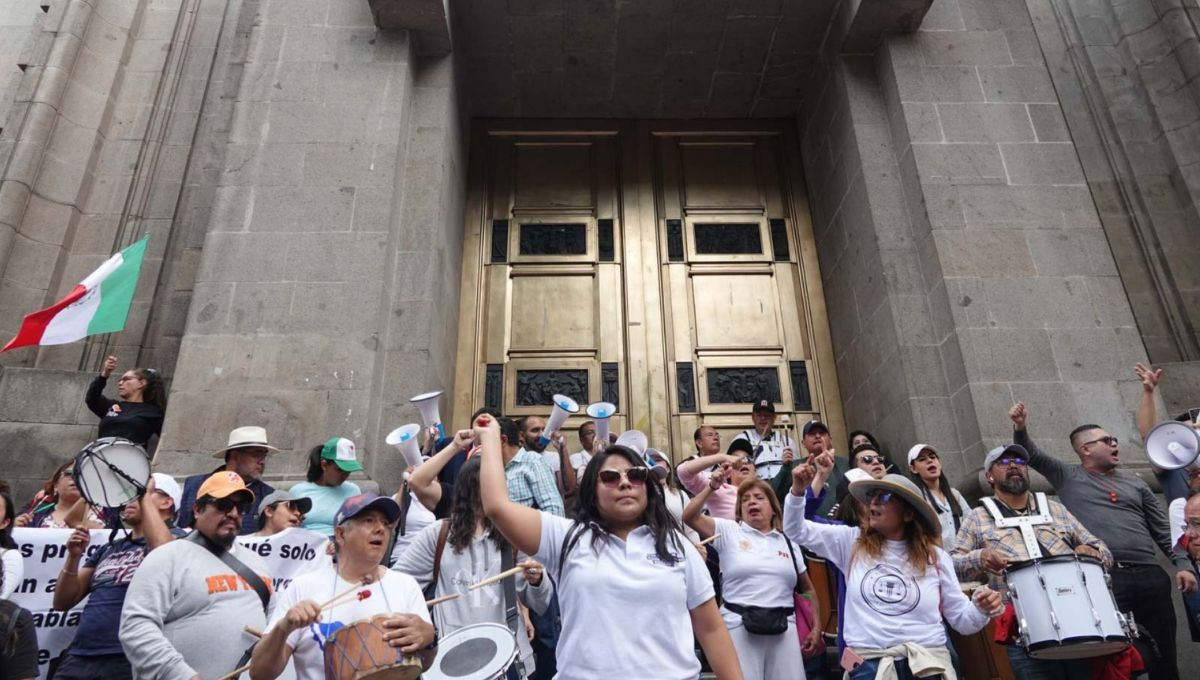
[(441, 431)]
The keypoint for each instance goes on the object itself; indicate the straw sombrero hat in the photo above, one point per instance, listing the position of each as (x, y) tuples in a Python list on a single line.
[(905, 489)]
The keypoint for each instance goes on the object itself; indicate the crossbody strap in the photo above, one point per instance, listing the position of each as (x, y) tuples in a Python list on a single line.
[(443, 533), (226, 556), (795, 588)]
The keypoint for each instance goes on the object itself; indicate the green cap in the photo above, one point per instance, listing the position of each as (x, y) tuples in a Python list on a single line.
[(341, 451)]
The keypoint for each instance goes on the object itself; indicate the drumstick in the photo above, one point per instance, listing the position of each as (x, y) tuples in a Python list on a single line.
[(439, 600), (234, 673), (333, 601), (75, 516), (498, 577), (710, 539), (253, 631)]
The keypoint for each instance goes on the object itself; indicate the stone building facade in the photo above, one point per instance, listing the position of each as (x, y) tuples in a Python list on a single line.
[(999, 197)]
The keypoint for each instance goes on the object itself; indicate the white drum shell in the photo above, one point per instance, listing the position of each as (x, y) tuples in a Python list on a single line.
[(1074, 594), (99, 484), (482, 651)]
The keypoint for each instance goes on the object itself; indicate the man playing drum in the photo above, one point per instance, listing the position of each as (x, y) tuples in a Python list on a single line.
[(1122, 510), (1014, 526), (391, 601)]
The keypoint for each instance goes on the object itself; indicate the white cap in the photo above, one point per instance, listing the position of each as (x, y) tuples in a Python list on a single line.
[(167, 484), (916, 451)]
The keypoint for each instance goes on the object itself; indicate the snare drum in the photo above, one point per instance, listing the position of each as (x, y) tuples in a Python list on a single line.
[(482, 651), (358, 650), (111, 471), (1065, 608)]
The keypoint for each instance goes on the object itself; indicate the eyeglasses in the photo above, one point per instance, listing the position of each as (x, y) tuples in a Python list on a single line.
[(294, 506), (879, 495), (127, 378), (224, 505), (68, 473), (870, 460), (1009, 461), (1109, 440), (636, 476)]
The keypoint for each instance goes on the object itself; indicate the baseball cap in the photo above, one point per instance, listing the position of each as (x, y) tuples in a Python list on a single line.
[(167, 484), (224, 484), (916, 450), (342, 452), (355, 505), (764, 406), (304, 503), (742, 446), (994, 454), (813, 425)]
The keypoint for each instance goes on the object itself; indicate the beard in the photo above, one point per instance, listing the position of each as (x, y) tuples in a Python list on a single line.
[(1014, 485)]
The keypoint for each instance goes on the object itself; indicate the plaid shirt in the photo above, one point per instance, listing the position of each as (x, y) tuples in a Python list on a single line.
[(979, 531), (531, 483)]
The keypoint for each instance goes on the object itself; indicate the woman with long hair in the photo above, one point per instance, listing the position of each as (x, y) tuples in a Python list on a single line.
[(900, 583), (12, 569), (631, 590), (760, 569), (472, 549), (329, 468), (138, 411), (950, 506), (52, 505), (673, 492)]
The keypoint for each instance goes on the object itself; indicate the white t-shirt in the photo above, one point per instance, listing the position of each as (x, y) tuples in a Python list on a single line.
[(886, 603), (621, 593), (579, 461), (769, 460), (550, 456), (676, 503), (395, 592), (419, 517), (756, 568), (1176, 519), (13, 571)]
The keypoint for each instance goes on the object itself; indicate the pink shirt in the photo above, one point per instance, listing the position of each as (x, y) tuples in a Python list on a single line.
[(721, 503)]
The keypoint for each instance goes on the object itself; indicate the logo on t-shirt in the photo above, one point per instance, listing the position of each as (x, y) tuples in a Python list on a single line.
[(113, 411), (889, 591)]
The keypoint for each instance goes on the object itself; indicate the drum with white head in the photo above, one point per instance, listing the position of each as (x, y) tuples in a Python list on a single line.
[(111, 471), (483, 651)]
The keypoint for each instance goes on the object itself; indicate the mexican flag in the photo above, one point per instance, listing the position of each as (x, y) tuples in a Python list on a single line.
[(99, 304)]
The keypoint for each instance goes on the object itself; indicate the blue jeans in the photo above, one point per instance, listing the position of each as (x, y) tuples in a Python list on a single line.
[(1026, 667), (869, 668)]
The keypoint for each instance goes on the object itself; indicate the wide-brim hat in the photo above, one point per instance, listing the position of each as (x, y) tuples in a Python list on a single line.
[(905, 489), (246, 437)]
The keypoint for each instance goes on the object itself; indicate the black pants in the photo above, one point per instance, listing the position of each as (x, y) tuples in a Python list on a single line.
[(108, 667), (1147, 591)]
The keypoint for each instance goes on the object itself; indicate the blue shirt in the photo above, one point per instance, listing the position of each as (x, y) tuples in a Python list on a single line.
[(112, 569), (191, 485), (325, 503)]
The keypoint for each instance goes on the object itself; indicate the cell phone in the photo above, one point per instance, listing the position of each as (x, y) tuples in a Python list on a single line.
[(850, 660)]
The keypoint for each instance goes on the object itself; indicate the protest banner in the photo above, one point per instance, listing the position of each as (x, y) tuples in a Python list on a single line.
[(289, 553)]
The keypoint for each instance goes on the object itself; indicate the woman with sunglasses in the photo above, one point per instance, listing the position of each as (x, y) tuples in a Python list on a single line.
[(632, 591), (899, 582), (950, 506), (51, 507), (281, 511), (138, 411), (760, 568)]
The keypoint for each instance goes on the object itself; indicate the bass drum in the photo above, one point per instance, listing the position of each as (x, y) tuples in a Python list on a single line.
[(111, 471), (482, 651)]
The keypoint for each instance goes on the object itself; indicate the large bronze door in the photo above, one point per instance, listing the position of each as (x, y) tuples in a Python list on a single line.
[(665, 268)]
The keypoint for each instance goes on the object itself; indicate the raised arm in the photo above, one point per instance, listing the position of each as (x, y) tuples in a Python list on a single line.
[(424, 479), (693, 514), (1054, 470), (522, 526), (829, 541), (1147, 413), (567, 484)]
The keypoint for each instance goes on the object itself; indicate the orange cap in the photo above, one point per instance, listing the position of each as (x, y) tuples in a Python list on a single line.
[(222, 485)]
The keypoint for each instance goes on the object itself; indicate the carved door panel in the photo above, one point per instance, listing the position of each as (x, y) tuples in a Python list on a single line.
[(660, 268)]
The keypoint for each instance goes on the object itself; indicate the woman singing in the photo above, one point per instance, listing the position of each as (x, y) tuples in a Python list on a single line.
[(631, 590), (899, 581)]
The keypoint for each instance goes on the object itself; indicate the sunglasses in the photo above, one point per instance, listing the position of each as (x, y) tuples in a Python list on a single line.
[(224, 505), (1110, 440), (1008, 461), (636, 476), (870, 460), (879, 495)]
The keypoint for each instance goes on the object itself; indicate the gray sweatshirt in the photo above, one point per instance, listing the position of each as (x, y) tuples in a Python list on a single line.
[(185, 610), (1134, 527)]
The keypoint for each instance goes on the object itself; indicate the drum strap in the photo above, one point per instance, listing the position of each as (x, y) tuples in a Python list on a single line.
[(1024, 523), (512, 615)]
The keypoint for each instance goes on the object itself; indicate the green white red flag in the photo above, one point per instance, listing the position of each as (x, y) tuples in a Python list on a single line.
[(98, 304)]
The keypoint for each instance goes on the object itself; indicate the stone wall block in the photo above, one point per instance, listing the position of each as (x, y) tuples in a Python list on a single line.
[(986, 122), (1042, 164), (1017, 84), (297, 209), (37, 396), (1009, 354), (959, 163), (964, 48)]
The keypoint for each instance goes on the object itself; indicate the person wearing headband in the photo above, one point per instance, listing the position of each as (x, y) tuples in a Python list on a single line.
[(327, 486), (138, 411), (627, 578), (900, 583)]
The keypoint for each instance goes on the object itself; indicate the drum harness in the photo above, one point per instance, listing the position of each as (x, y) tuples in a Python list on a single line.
[(1023, 522), (240, 568)]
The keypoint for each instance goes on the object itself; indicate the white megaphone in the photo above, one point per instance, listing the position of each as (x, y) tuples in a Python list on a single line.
[(564, 406), (1173, 445), (600, 412), (405, 439), (632, 439), (428, 403)]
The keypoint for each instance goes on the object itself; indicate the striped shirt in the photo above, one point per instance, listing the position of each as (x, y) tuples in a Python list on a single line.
[(531, 483)]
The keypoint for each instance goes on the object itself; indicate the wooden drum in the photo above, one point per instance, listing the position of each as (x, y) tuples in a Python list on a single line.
[(358, 650), (825, 584)]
